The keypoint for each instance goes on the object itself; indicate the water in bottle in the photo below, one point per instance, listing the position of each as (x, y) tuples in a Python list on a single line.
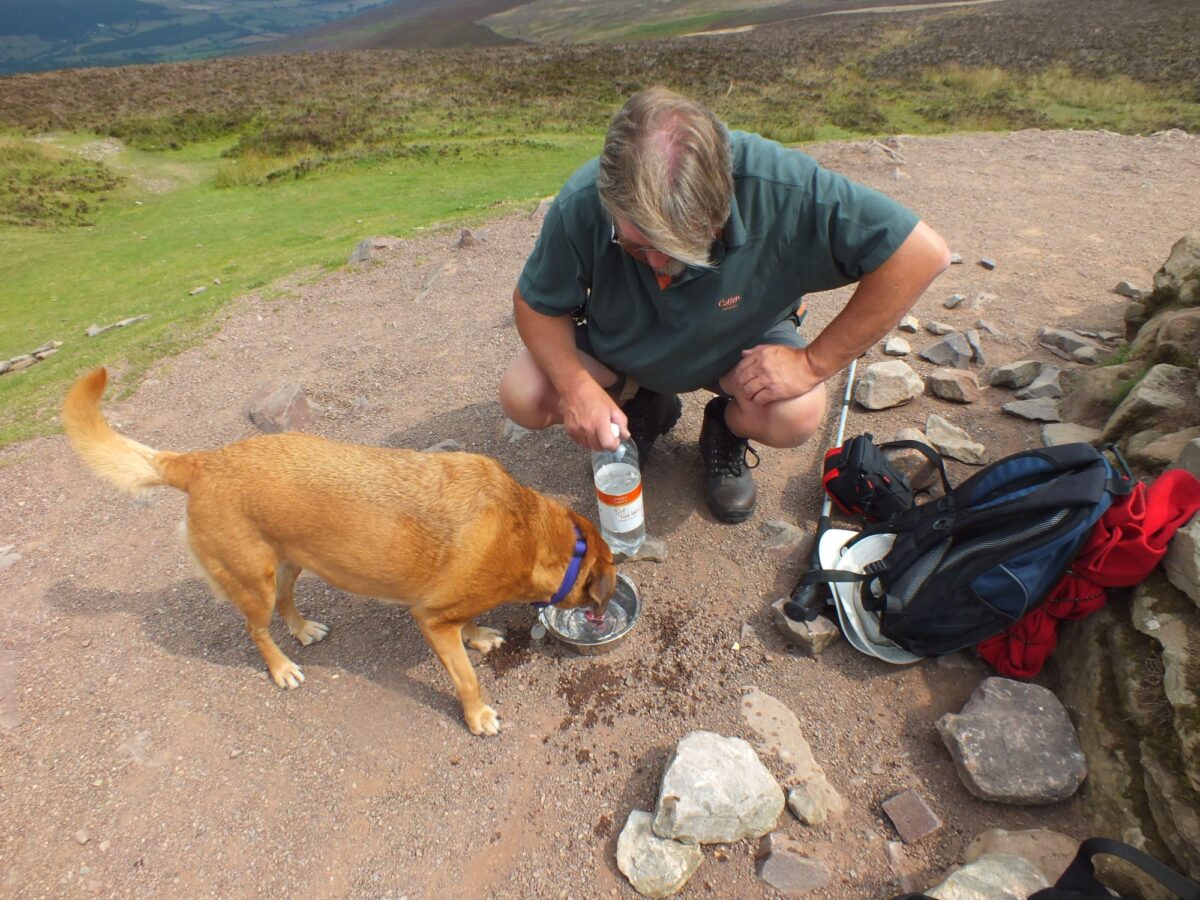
[(619, 496)]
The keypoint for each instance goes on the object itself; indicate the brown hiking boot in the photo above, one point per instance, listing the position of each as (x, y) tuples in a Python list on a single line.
[(650, 416), (729, 488)]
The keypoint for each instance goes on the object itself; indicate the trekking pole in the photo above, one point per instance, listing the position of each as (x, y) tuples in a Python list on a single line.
[(805, 605)]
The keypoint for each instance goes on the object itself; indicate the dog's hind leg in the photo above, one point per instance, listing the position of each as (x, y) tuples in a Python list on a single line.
[(304, 630), (482, 638), (446, 639), (246, 576)]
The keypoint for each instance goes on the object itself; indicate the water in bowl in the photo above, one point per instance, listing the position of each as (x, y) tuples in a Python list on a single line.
[(578, 624)]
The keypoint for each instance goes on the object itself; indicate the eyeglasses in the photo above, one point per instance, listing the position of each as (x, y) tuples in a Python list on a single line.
[(638, 252)]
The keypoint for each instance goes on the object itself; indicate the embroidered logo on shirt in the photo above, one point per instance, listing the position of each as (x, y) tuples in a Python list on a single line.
[(729, 302)]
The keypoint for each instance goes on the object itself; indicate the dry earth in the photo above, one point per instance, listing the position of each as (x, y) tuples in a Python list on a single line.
[(152, 757)]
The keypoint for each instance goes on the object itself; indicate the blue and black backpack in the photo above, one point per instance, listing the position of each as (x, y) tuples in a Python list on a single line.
[(967, 565)]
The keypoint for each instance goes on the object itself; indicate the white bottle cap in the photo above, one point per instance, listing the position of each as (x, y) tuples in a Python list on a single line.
[(616, 430)]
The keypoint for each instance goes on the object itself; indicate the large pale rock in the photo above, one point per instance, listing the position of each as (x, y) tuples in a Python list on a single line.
[(1189, 458), (1175, 805), (655, 866), (1170, 337), (1014, 743), (992, 877), (716, 790), (1049, 851), (1178, 281), (950, 440), (888, 384), (1093, 396), (1159, 453), (1167, 617), (1182, 562), (777, 731), (1159, 399), (1114, 790)]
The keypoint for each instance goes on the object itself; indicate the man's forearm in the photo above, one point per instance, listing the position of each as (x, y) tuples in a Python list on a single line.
[(551, 342), (880, 300)]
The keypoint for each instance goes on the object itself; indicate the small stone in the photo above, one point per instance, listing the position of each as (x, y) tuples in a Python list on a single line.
[(234, 754), (781, 863), (956, 259), (811, 637), (104, 845), (198, 290), (988, 328), (987, 262), (82, 837), (953, 301), (217, 281), (911, 816), (1128, 289), (940, 328), (909, 324), (447, 446), (896, 346), (1058, 433), (1017, 374), (1044, 409)]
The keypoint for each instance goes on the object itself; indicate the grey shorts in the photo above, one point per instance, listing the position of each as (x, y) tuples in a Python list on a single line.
[(786, 332)]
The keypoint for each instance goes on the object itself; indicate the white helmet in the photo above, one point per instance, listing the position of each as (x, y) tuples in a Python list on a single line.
[(860, 626)]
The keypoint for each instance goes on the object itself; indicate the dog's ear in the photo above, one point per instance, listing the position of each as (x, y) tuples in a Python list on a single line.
[(602, 582)]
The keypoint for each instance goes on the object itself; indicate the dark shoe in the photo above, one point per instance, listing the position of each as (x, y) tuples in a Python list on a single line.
[(650, 416), (729, 488)]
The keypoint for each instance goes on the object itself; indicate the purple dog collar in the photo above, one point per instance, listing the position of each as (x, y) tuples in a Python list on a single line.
[(572, 571)]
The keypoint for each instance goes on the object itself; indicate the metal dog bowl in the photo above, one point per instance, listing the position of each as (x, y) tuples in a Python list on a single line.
[(571, 628)]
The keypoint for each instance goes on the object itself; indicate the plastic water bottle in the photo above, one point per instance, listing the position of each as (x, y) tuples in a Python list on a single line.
[(619, 496)]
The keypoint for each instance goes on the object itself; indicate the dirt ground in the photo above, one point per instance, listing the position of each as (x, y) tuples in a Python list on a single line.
[(152, 756)]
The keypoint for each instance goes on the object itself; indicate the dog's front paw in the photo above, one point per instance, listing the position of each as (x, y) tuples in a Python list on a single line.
[(484, 722), (310, 632), (483, 639), (288, 675)]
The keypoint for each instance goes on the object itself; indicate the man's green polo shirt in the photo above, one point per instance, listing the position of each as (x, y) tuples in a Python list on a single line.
[(794, 228)]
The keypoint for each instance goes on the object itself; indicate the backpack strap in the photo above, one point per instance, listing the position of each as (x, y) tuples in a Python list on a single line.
[(925, 450), (1121, 482), (1080, 875)]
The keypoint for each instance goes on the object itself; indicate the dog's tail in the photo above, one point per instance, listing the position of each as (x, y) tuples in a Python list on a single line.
[(131, 466)]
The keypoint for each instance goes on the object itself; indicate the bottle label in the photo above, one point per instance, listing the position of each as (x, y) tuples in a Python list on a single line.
[(619, 495)]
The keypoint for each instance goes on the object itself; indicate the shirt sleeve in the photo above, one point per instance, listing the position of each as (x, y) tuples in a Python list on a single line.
[(860, 228), (557, 276)]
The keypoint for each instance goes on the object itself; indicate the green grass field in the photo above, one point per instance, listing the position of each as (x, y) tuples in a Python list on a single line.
[(169, 229)]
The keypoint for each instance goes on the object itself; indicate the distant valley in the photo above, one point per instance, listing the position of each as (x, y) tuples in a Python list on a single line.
[(54, 34), (58, 34)]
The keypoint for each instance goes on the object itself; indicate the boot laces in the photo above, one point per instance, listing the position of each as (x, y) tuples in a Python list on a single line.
[(731, 455)]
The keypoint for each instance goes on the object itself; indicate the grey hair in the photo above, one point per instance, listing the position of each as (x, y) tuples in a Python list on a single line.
[(667, 169)]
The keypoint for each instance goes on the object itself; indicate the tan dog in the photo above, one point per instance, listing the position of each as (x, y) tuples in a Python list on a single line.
[(450, 535)]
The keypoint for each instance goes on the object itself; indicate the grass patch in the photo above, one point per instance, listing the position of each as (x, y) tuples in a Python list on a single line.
[(46, 187), (147, 258)]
